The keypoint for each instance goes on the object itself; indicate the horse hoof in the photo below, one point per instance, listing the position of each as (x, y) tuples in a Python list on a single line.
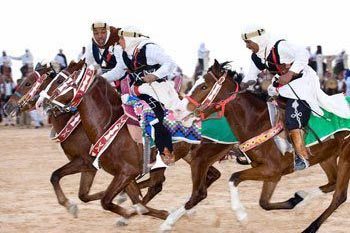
[(190, 213), (165, 228), (308, 196), (121, 198), (242, 216), (73, 209), (122, 222), (140, 209)]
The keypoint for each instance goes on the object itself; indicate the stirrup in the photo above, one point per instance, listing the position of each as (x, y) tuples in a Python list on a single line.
[(158, 163), (300, 163)]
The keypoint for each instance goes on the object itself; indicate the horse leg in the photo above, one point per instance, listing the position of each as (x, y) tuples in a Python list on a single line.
[(199, 170), (154, 184), (118, 183), (339, 195), (266, 194), (199, 192), (213, 175), (72, 167), (86, 180), (329, 166), (134, 193), (260, 173)]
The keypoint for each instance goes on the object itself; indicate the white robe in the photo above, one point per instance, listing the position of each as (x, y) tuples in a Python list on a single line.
[(308, 86), (164, 92)]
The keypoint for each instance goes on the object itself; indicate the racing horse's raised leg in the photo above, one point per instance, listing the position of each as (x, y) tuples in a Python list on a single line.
[(88, 173), (202, 158), (340, 194)]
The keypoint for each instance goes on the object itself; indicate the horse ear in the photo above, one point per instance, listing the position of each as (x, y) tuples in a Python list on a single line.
[(216, 63), (216, 66)]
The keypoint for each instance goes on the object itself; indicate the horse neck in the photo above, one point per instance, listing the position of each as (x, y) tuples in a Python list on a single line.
[(248, 116), (59, 122), (100, 108)]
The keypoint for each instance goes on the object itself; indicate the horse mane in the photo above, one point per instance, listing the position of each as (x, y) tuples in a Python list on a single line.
[(226, 66)]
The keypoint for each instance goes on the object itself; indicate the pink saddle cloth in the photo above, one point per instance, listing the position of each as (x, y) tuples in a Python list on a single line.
[(126, 89)]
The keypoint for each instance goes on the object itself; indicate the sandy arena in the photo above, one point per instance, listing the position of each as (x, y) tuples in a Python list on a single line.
[(28, 202)]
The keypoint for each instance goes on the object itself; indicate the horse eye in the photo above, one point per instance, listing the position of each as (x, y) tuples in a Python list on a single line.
[(204, 88), (28, 84)]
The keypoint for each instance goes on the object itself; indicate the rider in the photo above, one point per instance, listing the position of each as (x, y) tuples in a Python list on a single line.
[(101, 51), (150, 68), (297, 82)]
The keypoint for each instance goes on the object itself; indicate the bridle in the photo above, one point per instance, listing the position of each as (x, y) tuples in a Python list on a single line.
[(208, 101), (79, 85), (34, 91), (67, 85)]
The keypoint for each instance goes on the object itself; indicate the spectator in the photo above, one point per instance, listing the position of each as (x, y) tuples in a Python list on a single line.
[(312, 59), (340, 61), (27, 62), (61, 59), (37, 118), (203, 59), (347, 82), (5, 64), (319, 62), (341, 83), (81, 54), (7, 90), (23, 118)]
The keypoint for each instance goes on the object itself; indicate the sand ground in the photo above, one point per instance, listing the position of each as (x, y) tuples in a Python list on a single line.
[(28, 202)]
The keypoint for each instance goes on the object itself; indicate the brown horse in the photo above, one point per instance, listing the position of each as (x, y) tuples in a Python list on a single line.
[(99, 109), (79, 159), (243, 111)]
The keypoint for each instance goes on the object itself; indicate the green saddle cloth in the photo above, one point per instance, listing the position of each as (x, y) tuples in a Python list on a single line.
[(324, 128), (218, 130)]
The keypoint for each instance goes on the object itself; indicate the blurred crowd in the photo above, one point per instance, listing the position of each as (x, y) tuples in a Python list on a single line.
[(332, 70), (8, 86)]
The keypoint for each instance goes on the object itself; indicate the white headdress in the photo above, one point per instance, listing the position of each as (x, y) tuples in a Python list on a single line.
[(133, 38), (260, 36)]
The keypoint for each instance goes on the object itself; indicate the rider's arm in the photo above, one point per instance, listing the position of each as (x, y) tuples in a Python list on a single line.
[(156, 55), (16, 58), (297, 55), (119, 70)]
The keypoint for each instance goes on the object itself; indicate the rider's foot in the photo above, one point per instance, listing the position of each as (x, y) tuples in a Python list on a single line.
[(300, 163), (168, 157)]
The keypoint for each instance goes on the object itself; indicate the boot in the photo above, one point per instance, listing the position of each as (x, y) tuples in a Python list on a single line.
[(302, 154), (168, 157)]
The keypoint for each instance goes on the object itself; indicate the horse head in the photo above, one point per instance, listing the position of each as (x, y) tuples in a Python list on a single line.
[(210, 93), (27, 91), (61, 89)]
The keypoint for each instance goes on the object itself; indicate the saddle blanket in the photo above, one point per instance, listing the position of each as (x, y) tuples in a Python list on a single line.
[(214, 129), (325, 126)]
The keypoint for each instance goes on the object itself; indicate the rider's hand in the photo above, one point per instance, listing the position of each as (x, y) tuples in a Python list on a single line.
[(284, 79), (148, 78), (272, 91)]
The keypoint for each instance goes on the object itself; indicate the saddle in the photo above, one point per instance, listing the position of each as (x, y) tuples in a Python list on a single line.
[(133, 121)]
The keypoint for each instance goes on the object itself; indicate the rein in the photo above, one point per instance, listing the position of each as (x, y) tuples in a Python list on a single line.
[(34, 91), (85, 79), (208, 101)]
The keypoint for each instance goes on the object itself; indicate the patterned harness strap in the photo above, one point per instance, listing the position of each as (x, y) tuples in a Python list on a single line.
[(71, 125), (208, 101)]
